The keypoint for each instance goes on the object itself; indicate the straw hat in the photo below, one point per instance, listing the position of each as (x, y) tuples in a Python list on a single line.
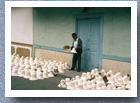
[(33, 68), (22, 64), (67, 81), (119, 88), (45, 74), (103, 87), (76, 83), (21, 73), (50, 74), (93, 71), (100, 81), (73, 51), (89, 76), (66, 48), (109, 87), (16, 62), (15, 72), (93, 82), (128, 85), (89, 84), (84, 76), (38, 69), (67, 66), (50, 68), (39, 75), (33, 75), (80, 87), (96, 70), (77, 77), (111, 80), (119, 83), (80, 82), (110, 72), (27, 74), (123, 87), (93, 87), (71, 86), (86, 86), (125, 79), (98, 88), (60, 69)]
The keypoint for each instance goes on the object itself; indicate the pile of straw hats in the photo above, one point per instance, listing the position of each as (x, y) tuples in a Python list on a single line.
[(94, 80), (35, 69)]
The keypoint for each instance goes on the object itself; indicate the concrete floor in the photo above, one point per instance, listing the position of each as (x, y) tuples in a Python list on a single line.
[(18, 83)]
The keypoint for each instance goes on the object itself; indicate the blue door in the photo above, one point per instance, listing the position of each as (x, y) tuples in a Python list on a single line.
[(89, 32)]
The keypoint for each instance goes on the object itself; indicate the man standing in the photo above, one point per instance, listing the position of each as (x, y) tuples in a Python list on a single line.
[(77, 45)]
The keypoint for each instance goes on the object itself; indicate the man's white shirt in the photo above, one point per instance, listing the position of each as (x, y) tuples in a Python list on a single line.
[(76, 43)]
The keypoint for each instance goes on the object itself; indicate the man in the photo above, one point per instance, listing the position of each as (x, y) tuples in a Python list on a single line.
[(77, 44)]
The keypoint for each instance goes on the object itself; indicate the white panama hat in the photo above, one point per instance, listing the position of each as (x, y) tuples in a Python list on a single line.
[(60, 69), (38, 69), (103, 87), (119, 83), (93, 71), (67, 66), (15, 72), (33, 75), (111, 80), (89, 84), (71, 86), (45, 75), (80, 82), (50, 74), (73, 51), (93, 87), (27, 74), (125, 79), (109, 87), (21, 73), (77, 77), (128, 85), (67, 81), (84, 76), (27, 69), (123, 87), (85, 86), (119, 88), (89, 75), (39, 75), (80, 87)]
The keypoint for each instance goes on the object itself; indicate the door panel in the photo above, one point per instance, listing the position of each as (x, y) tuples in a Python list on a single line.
[(89, 31)]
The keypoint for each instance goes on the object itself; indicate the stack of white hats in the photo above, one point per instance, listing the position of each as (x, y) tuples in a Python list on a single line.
[(94, 80), (34, 69)]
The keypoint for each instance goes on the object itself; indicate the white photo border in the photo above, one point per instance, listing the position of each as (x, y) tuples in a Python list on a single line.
[(71, 93)]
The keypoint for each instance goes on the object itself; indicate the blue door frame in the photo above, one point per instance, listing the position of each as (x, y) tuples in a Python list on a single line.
[(92, 16)]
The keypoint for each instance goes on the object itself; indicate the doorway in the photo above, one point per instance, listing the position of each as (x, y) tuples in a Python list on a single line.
[(88, 28)]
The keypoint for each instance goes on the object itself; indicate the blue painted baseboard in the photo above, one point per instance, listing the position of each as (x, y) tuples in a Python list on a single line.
[(48, 48), (116, 58)]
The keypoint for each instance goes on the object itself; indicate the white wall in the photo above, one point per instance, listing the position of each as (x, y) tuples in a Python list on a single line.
[(21, 25)]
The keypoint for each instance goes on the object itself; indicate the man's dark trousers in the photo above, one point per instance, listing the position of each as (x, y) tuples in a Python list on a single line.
[(76, 57)]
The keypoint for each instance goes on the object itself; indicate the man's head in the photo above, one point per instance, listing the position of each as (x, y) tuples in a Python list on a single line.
[(74, 36)]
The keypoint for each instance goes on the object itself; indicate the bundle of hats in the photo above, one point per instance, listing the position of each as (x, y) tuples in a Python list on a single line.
[(34, 69), (96, 80)]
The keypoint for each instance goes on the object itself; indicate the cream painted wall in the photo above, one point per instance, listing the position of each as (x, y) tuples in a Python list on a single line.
[(21, 25)]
